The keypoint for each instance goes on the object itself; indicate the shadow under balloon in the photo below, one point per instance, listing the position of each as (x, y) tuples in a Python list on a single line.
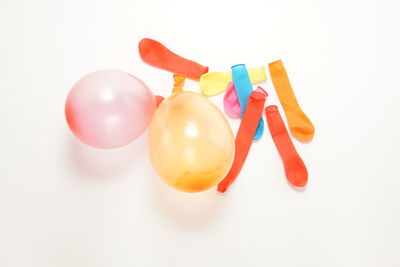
[(105, 163), (190, 210), (297, 189)]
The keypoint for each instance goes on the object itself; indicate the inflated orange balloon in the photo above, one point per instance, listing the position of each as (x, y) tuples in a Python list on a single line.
[(191, 143)]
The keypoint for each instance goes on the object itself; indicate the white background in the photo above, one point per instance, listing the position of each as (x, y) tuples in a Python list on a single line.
[(65, 204)]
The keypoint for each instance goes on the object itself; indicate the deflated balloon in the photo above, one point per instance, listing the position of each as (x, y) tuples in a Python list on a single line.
[(191, 144)]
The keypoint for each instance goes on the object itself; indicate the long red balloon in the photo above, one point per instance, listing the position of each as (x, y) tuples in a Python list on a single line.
[(296, 171), (244, 137)]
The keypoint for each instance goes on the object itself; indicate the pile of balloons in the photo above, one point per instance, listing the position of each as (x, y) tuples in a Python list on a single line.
[(191, 144)]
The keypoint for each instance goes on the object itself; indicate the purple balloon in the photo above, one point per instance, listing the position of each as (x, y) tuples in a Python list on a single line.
[(109, 108)]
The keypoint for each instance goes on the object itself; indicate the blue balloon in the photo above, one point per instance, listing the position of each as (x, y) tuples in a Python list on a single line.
[(243, 87)]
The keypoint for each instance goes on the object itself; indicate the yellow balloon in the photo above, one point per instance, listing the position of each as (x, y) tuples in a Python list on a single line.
[(191, 144)]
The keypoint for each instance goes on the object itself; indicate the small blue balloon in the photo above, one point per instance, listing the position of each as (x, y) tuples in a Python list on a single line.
[(243, 88)]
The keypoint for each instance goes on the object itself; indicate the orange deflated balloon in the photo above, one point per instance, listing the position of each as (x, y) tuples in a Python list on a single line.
[(191, 143)]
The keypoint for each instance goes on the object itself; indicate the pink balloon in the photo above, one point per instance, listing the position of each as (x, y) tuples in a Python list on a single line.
[(231, 102), (109, 108)]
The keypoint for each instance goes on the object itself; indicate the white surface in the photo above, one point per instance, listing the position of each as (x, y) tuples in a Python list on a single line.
[(65, 204)]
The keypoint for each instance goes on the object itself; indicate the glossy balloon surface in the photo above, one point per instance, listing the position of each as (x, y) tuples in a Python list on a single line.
[(109, 108), (191, 144)]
